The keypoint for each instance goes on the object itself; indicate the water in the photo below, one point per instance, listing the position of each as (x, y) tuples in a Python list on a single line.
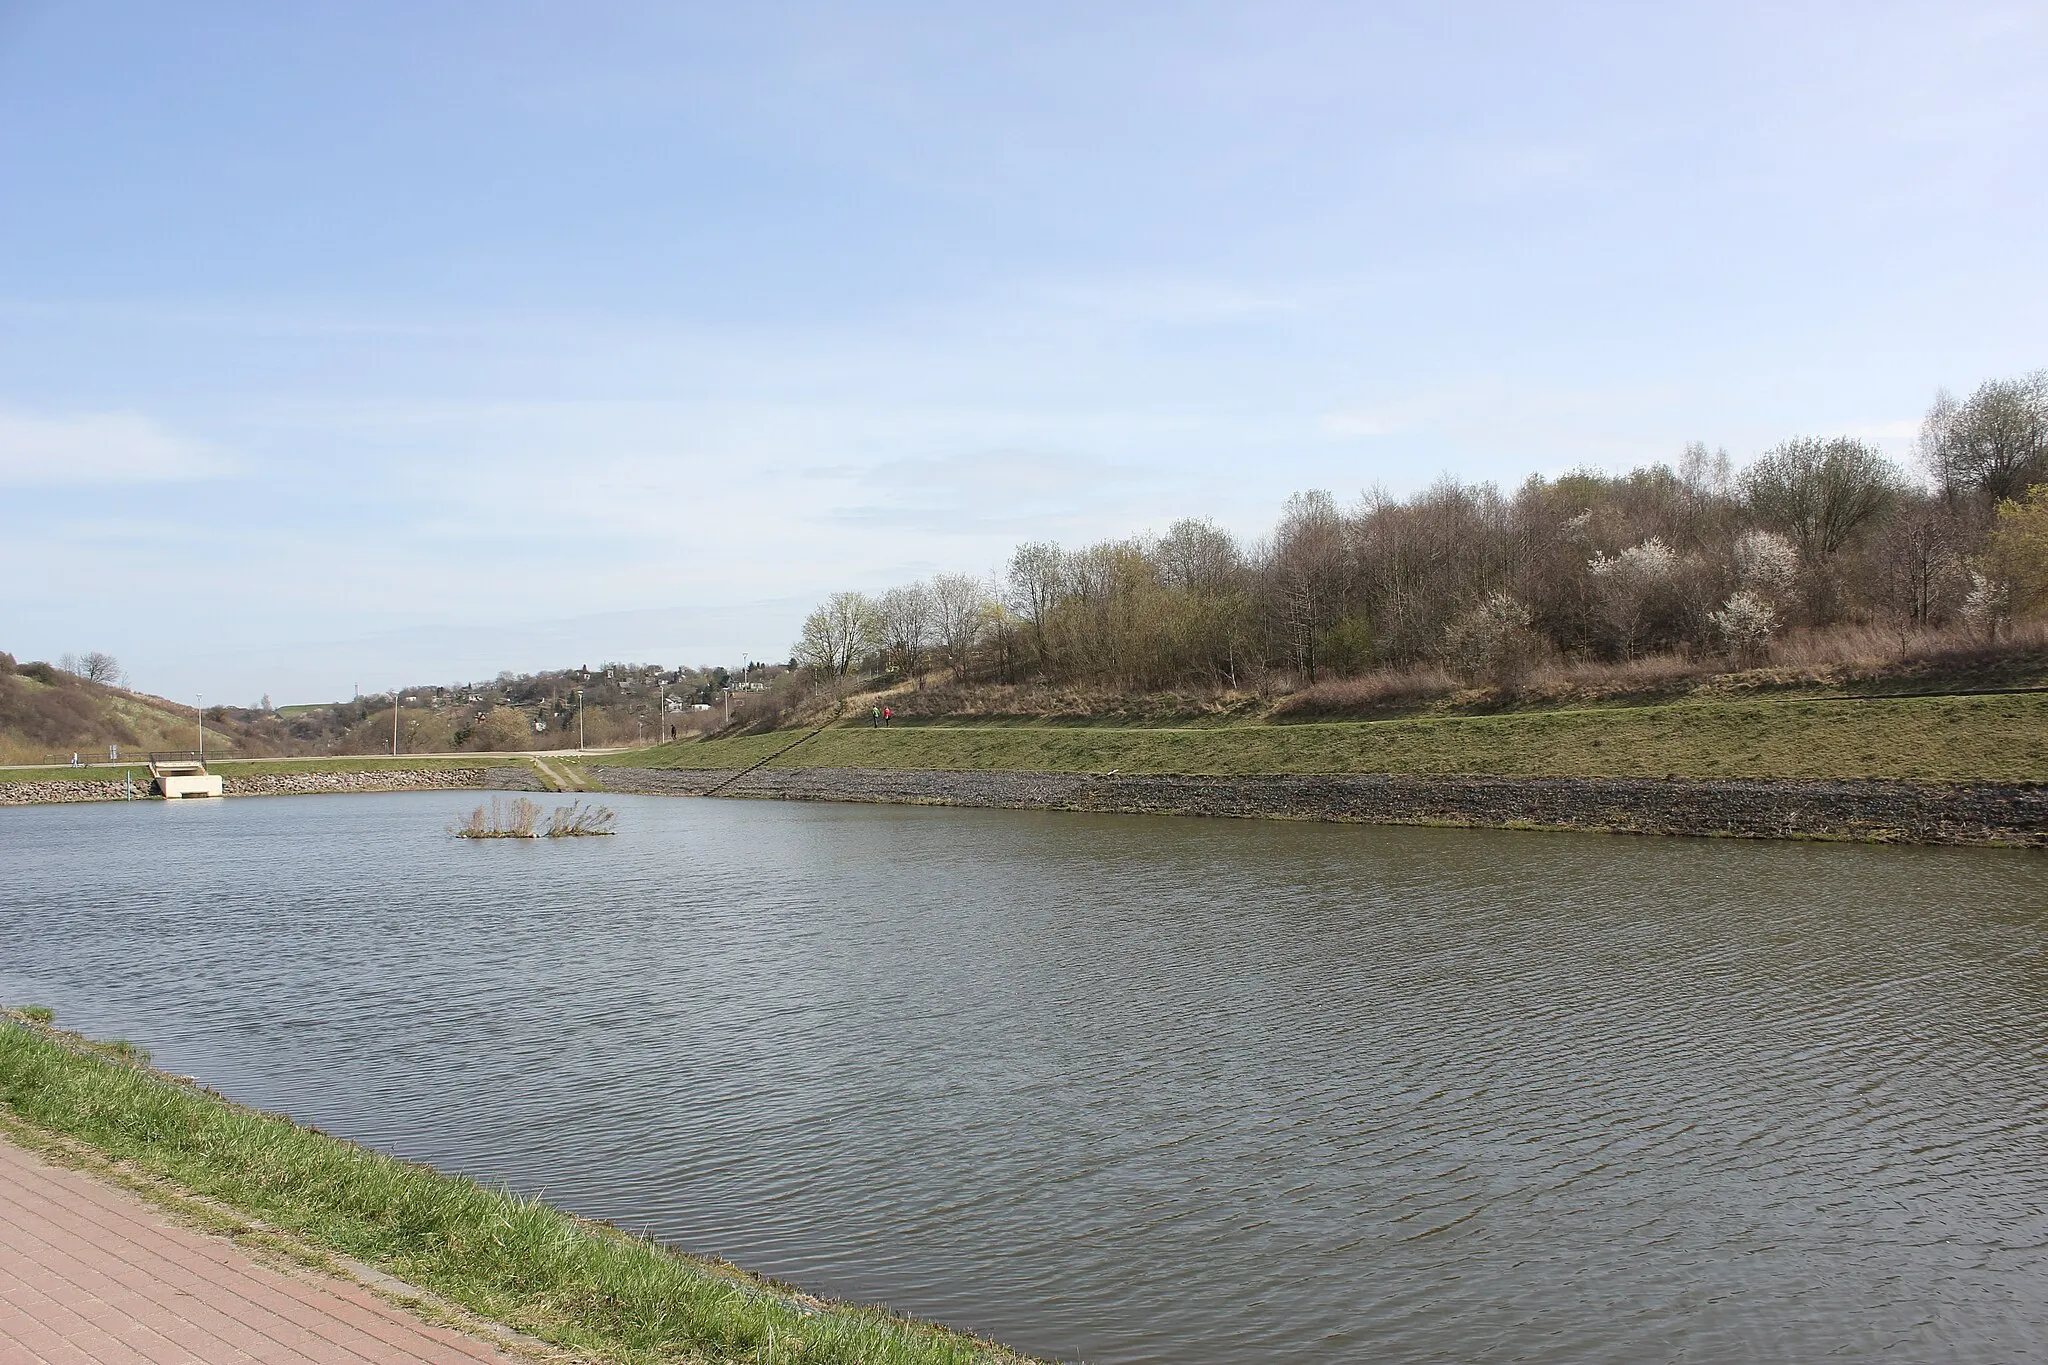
[(1126, 1089)]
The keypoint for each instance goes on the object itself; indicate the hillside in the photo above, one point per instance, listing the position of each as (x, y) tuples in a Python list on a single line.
[(46, 715)]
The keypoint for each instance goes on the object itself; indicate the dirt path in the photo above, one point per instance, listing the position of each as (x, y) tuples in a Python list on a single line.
[(562, 779)]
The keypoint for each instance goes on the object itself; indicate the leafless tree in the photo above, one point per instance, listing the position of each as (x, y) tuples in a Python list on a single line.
[(1198, 557), (1307, 574), (1922, 562), (1994, 446), (1821, 493), (1034, 586), (960, 604), (908, 624), (838, 635)]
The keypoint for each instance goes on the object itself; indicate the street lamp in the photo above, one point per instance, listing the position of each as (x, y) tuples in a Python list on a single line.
[(199, 705), (579, 720), (394, 722)]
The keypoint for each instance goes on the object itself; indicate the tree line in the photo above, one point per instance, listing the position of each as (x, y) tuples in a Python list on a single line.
[(1689, 556)]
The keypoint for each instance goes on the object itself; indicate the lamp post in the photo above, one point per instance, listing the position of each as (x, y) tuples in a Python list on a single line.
[(199, 705), (394, 722), (579, 720)]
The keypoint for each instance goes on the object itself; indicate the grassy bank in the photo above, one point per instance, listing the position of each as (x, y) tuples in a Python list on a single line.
[(583, 1286), (1948, 739)]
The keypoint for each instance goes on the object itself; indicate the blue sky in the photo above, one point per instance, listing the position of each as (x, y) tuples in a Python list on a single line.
[(348, 345)]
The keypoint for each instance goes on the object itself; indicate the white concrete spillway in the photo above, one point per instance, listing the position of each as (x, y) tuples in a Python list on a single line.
[(181, 775)]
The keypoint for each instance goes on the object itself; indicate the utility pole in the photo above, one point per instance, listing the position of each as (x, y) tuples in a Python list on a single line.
[(199, 705), (394, 722)]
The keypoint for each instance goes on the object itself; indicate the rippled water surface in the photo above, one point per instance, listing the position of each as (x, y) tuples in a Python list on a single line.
[(1129, 1089)]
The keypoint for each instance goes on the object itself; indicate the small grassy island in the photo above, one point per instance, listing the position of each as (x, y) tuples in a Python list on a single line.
[(520, 819)]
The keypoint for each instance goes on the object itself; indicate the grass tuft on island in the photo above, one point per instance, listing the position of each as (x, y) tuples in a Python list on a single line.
[(521, 820), (580, 1285)]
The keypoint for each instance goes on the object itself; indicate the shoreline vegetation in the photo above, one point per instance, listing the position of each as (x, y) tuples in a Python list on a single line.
[(1967, 766), (576, 1284)]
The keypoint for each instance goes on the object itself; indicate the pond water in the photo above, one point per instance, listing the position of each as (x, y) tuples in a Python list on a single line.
[(1134, 1089)]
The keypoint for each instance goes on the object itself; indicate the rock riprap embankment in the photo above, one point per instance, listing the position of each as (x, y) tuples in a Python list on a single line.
[(55, 793), (1901, 812), (387, 780), (288, 784)]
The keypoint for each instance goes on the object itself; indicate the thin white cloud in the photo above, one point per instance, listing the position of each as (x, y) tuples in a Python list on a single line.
[(1359, 425), (97, 448)]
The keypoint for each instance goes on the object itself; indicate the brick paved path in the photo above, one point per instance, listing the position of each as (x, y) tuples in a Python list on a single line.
[(92, 1272)]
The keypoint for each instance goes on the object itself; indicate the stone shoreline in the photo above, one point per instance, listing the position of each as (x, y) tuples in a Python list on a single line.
[(2008, 813), (286, 784)]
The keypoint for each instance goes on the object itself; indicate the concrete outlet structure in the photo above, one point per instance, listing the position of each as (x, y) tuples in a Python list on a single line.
[(182, 775)]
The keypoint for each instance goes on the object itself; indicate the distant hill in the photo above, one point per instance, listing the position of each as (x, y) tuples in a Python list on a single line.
[(47, 714)]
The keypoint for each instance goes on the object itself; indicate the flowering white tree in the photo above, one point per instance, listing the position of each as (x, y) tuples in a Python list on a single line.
[(1767, 564), (1985, 609), (1629, 585), (1492, 642), (1745, 622)]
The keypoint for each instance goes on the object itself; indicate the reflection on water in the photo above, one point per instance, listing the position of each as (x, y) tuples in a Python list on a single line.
[(1131, 1089)]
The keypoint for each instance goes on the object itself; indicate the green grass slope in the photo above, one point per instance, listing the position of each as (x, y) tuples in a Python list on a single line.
[(1949, 739)]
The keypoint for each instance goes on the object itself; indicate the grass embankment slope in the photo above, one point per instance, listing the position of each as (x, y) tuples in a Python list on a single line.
[(579, 1285), (1939, 739)]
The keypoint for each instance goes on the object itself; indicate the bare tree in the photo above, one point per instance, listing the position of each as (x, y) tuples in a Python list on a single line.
[(1922, 563), (1820, 493), (100, 668), (960, 604), (1199, 557), (1307, 574), (838, 635), (1995, 445), (908, 622), (1034, 584)]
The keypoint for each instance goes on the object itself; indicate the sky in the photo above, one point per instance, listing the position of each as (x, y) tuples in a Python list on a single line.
[(348, 346)]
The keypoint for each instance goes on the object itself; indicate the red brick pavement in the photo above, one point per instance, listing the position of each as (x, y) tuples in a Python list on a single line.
[(92, 1272)]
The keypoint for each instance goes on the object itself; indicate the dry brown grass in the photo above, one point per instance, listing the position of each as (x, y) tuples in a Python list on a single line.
[(520, 819), (1389, 689), (1860, 657), (1869, 648)]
